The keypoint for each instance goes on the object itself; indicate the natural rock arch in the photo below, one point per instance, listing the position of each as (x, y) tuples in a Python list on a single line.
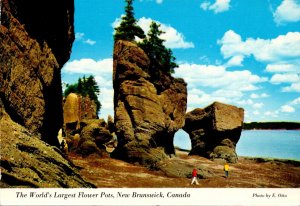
[(182, 140)]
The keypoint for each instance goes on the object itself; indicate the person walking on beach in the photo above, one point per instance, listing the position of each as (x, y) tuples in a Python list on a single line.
[(194, 177), (226, 169)]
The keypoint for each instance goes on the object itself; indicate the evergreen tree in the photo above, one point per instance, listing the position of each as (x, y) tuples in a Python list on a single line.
[(161, 58), (128, 28)]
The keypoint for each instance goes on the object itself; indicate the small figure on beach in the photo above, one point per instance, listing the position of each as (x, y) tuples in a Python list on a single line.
[(194, 177), (66, 148), (226, 169)]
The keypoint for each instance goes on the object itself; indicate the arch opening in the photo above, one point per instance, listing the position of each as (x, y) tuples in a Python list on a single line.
[(182, 140)]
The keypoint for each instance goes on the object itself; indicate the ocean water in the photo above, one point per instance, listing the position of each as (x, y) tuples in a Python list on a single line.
[(284, 144)]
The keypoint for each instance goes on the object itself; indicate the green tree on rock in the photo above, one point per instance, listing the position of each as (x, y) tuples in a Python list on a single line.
[(128, 28), (161, 58), (85, 87)]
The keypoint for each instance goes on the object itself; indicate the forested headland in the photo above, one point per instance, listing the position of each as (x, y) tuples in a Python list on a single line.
[(272, 125)]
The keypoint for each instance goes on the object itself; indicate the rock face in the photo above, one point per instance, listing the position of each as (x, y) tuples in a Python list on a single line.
[(215, 130), (85, 134), (35, 43), (26, 161), (76, 108), (147, 115)]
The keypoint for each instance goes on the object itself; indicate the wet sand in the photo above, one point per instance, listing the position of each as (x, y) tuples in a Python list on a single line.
[(106, 172)]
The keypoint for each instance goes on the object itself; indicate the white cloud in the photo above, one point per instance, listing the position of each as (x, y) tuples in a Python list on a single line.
[(287, 68), (174, 39), (246, 102), (209, 83), (251, 103), (287, 109), (282, 55), (102, 71), (235, 61), (295, 101), (90, 66), (157, 1), (90, 42), (270, 114), (218, 77), (256, 112), (106, 98), (285, 78), (258, 105), (266, 50), (287, 11), (205, 5), (80, 37), (295, 87), (217, 7), (256, 96)]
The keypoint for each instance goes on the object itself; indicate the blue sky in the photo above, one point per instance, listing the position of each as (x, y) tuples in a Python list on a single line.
[(245, 53)]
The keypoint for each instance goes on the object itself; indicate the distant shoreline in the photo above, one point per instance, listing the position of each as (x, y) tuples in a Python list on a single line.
[(272, 126), (294, 162)]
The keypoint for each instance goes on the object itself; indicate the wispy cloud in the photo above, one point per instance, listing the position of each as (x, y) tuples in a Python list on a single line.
[(218, 7), (80, 37), (287, 11), (157, 1), (257, 96), (90, 42)]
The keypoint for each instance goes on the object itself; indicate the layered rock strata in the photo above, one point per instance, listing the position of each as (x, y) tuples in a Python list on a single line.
[(215, 131), (35, 43), (147, 114), (26, 161)]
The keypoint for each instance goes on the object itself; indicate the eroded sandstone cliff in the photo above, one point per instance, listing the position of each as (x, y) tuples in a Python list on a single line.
[(26, 161), (147, 114), (215, 130), (36, 39)]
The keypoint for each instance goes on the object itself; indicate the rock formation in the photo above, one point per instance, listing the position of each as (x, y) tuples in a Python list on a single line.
[(77, 108), (35, 43), (85, 134), (215, 130), (36, 39), (94, 135), (26, 161), (147, 114)]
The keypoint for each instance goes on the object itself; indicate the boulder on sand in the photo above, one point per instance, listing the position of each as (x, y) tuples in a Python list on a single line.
[(215, 131)]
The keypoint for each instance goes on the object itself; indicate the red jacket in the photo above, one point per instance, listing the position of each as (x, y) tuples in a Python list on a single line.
[(194, 173)]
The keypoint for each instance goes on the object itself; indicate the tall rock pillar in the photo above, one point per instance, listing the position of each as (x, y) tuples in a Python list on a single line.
[(146, 118)]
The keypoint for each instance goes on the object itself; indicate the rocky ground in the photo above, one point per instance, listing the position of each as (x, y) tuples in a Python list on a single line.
[(247, 173)]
